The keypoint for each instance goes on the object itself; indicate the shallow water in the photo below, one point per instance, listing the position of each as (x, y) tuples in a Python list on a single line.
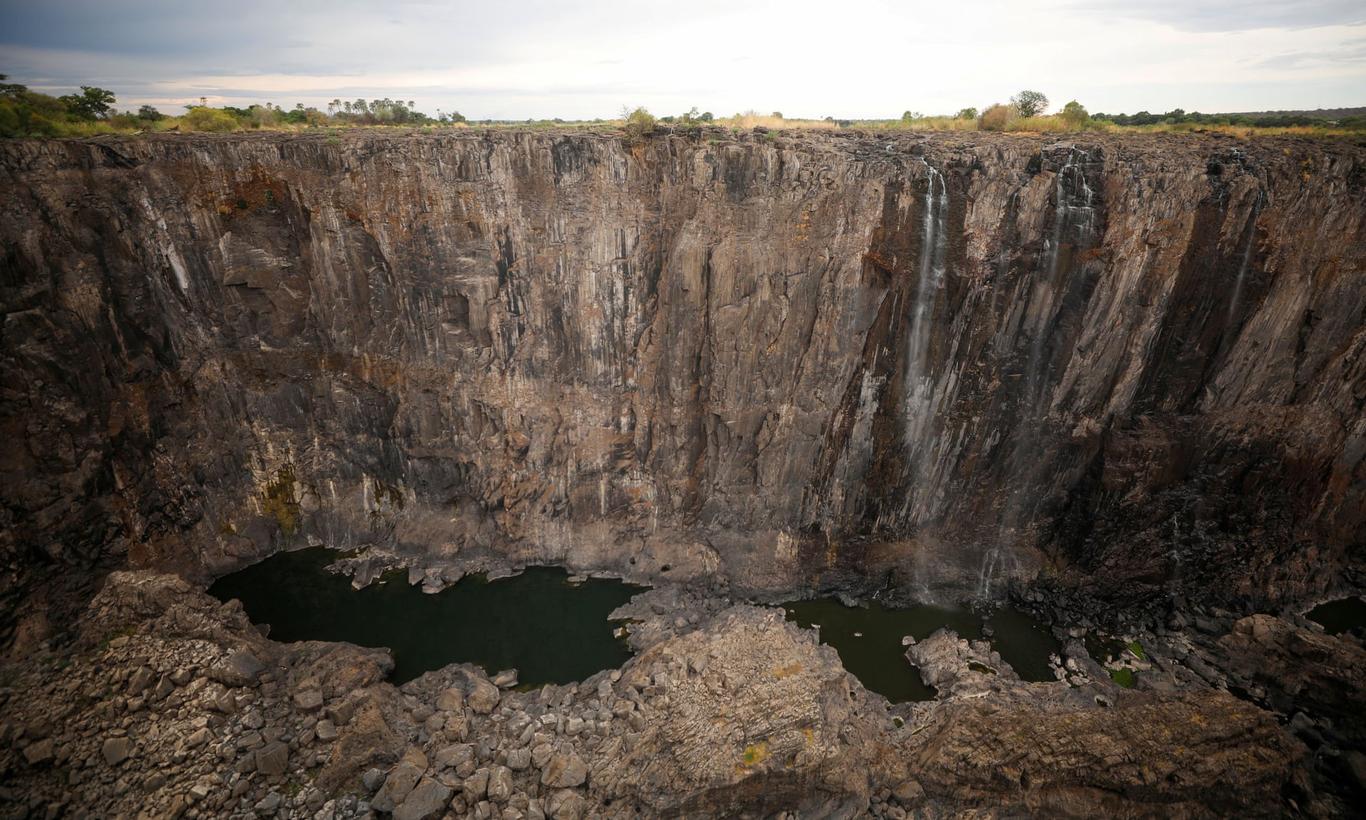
[(868, 640), (1345, 615), (537, 622)]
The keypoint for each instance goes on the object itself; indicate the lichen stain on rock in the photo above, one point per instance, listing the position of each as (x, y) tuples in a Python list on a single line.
[(279, 499), (753, 756)]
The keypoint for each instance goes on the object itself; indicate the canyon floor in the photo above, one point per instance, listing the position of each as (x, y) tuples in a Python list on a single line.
[(167, 703)]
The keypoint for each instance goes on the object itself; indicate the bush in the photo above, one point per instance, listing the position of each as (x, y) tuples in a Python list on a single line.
[(997, 117), (967, 114), (30, 114), (1074, 114), (203, 118), (640, 124), (262, 116), (147, 112)]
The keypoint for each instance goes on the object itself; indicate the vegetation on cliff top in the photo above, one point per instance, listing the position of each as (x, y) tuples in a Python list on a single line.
[(27, 113)]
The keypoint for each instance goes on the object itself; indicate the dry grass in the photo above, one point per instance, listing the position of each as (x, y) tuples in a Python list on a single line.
[(751, 119)]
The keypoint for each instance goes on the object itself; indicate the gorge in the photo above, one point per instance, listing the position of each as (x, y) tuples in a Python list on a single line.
[(1117, 381)]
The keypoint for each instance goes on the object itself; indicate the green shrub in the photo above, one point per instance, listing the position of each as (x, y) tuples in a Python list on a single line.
[(640, 124), (203, 118), (1074, 114)]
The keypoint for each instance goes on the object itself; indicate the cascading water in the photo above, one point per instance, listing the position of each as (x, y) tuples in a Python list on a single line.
[(1074, 221), (933, 263), (1073, 224)]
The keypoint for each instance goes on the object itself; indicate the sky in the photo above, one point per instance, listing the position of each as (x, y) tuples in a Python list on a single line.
[(518, 59)]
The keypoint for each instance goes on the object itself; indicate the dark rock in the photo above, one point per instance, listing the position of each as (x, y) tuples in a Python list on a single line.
[(116, 750), (241, 668), (272, 759), (428, 799)]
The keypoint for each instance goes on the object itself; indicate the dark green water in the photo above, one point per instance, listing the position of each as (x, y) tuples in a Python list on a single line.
[(537, 622), (1346, 615), (868, 640)]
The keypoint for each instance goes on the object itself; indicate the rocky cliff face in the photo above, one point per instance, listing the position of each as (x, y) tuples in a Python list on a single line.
[(770, 360)]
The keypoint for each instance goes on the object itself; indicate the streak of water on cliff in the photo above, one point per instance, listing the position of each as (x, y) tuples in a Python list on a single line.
[(933, 251), (1073, 222), (933, 264), (1245, 262)]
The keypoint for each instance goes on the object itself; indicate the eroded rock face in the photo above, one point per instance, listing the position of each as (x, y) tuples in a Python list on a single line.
[(1299, 669), (746, 712), (759, 359), (1195, 754)]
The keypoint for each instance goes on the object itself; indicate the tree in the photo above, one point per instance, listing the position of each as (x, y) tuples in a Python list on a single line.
[(907, 116), (148, 112), (777, 115), (91, 104), (1030, 103), (967, 113), (1074, 114), (10, 89)]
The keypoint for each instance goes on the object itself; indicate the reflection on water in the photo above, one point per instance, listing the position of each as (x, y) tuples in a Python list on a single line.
[(868, 640), (537, 622)]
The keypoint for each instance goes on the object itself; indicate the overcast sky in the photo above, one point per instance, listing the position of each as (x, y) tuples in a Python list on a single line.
[(588, 58)]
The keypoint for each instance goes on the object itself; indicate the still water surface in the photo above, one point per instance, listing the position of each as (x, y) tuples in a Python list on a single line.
[(868, 640), (1337, 617), (554, 631), (550, 630)]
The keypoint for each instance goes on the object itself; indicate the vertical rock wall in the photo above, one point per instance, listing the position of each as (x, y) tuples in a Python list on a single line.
[(1134, 363)]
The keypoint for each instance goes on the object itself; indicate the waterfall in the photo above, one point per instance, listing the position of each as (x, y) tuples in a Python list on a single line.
[(1073, 223), (1073, 220), (933, 255), (998, 562)]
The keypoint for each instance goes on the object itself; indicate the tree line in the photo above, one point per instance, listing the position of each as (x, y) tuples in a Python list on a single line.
[(28, 113)]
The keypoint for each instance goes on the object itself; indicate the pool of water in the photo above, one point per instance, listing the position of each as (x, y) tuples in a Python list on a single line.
[(1337, 617), (868, 640), (550, 630)]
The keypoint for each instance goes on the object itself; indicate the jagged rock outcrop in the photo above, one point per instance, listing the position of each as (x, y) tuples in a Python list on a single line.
[(172, 704), (764, 359)]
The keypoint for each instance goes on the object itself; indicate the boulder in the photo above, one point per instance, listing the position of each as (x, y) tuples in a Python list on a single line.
[(428, 799), (564, 770), (483, 696), (239, 668), (272, 759), (116, 750)]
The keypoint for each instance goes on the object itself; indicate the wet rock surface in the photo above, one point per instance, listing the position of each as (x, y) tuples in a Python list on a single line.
[(739, 712)]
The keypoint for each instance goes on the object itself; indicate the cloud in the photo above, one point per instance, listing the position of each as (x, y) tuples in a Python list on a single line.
[(1232, 15), (1346, 53), (586, 58)]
